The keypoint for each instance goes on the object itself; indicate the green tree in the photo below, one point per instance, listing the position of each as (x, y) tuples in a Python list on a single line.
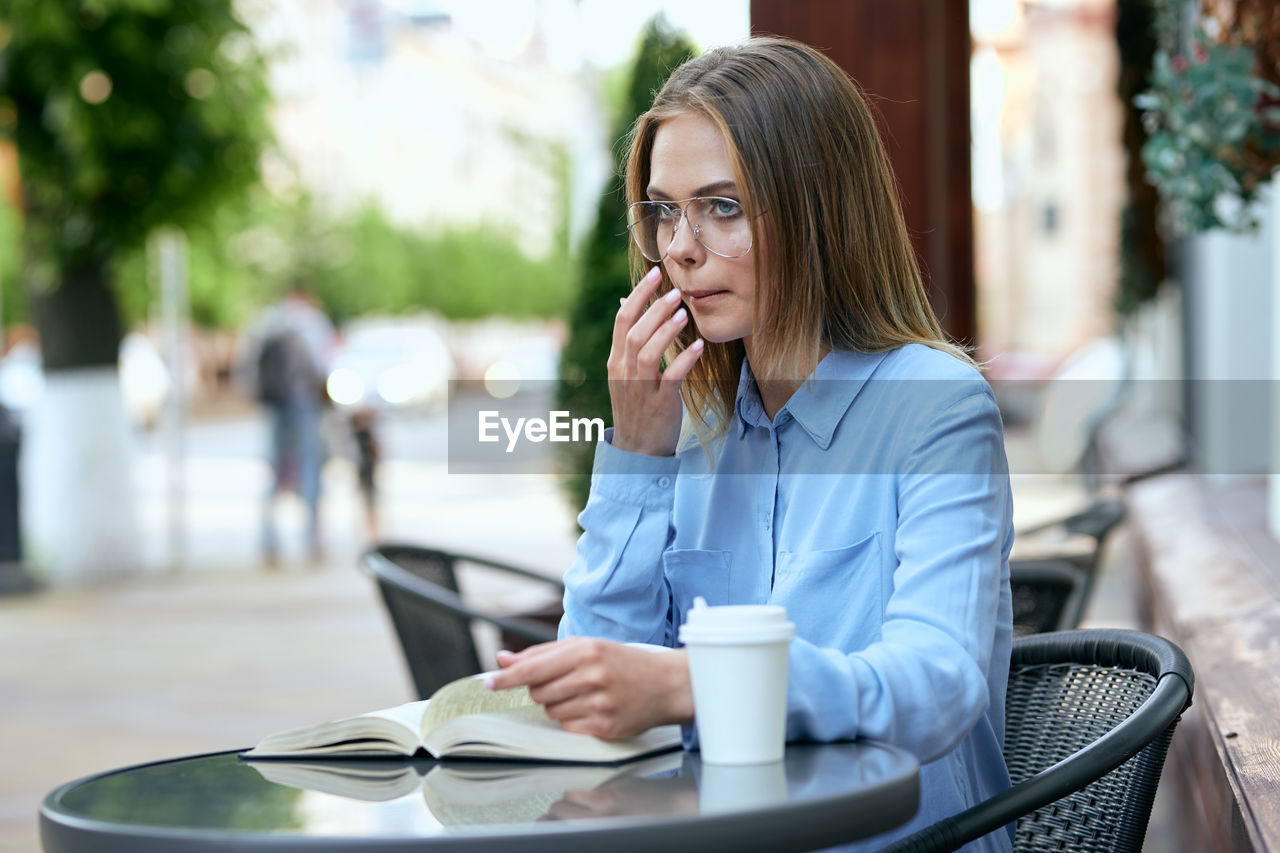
[(127, 114), (605, 273)]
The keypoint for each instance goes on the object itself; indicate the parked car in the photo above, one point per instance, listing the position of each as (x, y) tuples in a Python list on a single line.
[(389, 363)]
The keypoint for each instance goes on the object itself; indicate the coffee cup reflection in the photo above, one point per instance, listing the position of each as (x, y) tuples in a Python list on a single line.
[(729, 787)]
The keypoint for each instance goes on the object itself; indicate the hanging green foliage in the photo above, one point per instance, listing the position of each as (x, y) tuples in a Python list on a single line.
[(1214, 123)]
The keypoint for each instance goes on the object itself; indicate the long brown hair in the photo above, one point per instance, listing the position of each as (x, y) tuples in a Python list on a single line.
[(840, 273)]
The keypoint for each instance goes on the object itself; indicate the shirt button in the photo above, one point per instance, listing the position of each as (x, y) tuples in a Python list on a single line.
[(664, 482)]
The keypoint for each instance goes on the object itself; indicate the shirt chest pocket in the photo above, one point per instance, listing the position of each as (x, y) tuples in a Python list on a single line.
[(693, 572), (835, 596)]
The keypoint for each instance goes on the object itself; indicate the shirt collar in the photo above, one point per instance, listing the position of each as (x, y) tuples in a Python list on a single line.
[(819, 403)]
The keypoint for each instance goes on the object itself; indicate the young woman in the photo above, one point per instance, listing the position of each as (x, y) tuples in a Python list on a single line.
[(846, 462)]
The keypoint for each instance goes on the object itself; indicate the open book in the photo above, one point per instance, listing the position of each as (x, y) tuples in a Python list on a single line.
[(463, 719)]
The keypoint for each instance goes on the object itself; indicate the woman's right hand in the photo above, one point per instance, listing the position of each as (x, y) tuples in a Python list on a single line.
[(646, 399)]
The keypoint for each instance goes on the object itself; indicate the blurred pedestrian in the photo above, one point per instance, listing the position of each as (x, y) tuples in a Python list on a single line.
[(368, 452), (286, 365)]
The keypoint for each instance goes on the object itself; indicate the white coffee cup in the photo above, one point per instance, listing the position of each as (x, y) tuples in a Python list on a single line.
[(738, 667)]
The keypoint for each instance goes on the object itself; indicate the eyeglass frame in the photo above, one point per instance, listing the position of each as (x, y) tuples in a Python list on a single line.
[(681, 205)]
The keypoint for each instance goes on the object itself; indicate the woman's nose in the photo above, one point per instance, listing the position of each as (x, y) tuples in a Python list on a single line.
[(685, 247)]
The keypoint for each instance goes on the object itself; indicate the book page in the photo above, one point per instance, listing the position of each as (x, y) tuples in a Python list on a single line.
[(408, 715), (528, 733), (390, 731), (470, 696)]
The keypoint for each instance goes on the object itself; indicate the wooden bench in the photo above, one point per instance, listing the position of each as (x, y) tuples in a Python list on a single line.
[(1209, 579)]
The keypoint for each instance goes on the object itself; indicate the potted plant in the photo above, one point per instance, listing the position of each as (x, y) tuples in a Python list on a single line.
[(1212, 112)]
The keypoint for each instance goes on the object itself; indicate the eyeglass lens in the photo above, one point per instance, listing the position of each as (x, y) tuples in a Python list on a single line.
[(719, 224)]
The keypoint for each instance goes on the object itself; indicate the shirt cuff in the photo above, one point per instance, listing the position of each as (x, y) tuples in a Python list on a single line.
[(635, 479)]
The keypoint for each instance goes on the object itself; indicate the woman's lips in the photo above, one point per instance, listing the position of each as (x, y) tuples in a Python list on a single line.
[(698, 298)]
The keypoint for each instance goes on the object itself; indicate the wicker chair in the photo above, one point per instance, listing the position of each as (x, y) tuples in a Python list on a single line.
[(1089, 719), (419, 587)]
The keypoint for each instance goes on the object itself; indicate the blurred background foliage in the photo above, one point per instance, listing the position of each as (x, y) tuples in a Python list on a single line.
[(109, 147), (1213, 111), (13, 302), (604, 269), (355, 262), (1143, 266)]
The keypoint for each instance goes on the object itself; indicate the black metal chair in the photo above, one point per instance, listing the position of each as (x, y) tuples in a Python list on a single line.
[(420, 589), (1096, 521), (1048, 595), (1089, 716), (1052, 589)]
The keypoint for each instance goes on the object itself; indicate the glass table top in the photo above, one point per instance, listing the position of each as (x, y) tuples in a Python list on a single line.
[(229, 796)]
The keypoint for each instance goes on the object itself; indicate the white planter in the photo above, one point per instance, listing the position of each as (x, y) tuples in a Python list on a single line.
[(78, 504), (1231, 336)]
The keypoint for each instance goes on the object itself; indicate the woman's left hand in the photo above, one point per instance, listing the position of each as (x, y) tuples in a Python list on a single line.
[(601, 687)]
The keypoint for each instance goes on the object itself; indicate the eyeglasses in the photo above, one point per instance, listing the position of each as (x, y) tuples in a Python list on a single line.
[(719, 224)]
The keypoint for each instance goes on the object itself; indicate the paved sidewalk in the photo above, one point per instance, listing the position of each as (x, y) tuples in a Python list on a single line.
[(215, 657), (96, 679)]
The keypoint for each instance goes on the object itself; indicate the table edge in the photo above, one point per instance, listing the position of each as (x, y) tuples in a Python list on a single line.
[(694, 829)]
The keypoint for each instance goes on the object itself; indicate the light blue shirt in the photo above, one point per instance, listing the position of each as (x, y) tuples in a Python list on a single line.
[(875, 507)]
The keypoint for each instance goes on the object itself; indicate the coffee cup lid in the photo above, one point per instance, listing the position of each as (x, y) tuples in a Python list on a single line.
[(736, 624)]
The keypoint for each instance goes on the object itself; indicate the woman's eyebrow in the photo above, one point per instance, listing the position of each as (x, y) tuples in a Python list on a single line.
[(707, 189)]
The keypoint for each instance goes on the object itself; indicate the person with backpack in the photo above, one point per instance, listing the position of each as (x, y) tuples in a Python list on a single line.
[(287, 365)]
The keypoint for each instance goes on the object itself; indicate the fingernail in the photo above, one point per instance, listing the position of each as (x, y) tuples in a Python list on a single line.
[(622, 300), (488, 682), (679, 316), (653, 274), (672, 296), (696, 344)]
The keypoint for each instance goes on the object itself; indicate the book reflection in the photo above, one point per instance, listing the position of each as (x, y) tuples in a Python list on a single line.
[(478, 793)]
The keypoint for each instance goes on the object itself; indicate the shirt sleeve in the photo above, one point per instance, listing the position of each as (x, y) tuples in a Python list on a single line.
[(615, 587), (923, 684)]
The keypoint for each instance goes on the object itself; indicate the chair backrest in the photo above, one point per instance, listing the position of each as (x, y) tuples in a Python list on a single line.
[(1052, 589), (437, 642), (1067, 692), (420, 589), (1089, 716), (1048, 595), (1098, 519)]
